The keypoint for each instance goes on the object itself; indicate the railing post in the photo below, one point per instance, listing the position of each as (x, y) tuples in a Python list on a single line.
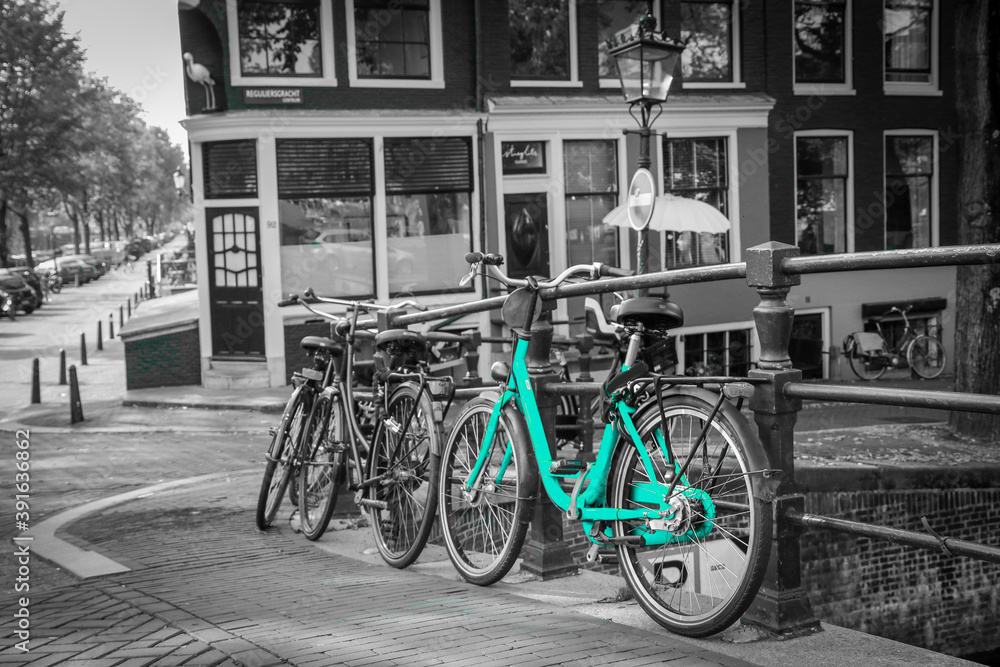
[(546, 554), (585, 343), (781, 605), (474, 339)]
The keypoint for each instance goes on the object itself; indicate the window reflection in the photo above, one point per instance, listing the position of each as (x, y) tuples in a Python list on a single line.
[(280, 38), (428, 236)]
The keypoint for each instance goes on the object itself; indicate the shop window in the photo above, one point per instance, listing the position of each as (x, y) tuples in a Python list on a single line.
[(230, 169), (822, 176), (717, 353), (909, 177), (325, 190), (695, 169), (822, 42), (526, 227), (280, 38), (393, 38), (542, 40), (428, 185), (910, 44), (591, 183), (709, 31)]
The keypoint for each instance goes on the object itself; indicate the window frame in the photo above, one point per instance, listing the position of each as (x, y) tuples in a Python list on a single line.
[(574, 80), (681, 334), (616, 193), (327, 79), (935, 212), (731, 137), (848, 186), (932, 87), (436, 43), (735, 61), (847, 86)]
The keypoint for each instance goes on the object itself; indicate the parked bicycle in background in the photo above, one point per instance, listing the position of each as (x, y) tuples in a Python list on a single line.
[(870, 355)]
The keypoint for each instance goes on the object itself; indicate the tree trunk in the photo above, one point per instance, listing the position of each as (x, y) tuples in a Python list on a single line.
[(75, 218), (86, 233), (977, 303), (4, 250), (99, 214), (114, 226), (26, 235)]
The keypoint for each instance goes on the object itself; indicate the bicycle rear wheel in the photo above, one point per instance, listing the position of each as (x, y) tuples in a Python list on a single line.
[(865, 366), (404, 455), (484, 529), (321, 470), (926, 357), (281, 455), (707, 572)]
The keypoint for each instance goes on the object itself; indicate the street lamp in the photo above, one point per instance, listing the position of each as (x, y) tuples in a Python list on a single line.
[(646, 62), (179, 183)]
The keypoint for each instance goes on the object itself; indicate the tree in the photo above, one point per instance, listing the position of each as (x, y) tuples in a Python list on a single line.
[(977, 304), (40, 69)]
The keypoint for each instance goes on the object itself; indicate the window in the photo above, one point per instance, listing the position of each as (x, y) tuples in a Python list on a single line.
[(394, 44), (272, 41), (909, 181), (591, 178), (543, 42), (717, 352), (392, 38), (910, 28), (325, 190), (709, 31), (822, 42), (428, 186), (695, 169), (615, 18), (821, 167), (230, 169)]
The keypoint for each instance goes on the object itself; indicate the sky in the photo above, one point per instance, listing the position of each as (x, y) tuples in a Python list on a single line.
[(136, 45)]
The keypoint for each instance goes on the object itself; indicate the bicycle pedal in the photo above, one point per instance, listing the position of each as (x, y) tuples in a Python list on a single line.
[(375, 504), (566, 467), (602, 554)]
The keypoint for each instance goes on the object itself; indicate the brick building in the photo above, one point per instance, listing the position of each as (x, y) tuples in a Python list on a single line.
[(362, 147)]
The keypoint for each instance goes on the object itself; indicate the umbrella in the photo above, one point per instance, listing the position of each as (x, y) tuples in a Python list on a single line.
[(677, 214)]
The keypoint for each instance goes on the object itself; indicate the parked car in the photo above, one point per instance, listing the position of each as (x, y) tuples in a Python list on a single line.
[(25, 298), (69, 269), (27, 275), (99, 265)]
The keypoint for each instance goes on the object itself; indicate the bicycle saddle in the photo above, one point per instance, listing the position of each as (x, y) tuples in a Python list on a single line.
[(654, 312), (315, 343), (402, 337)]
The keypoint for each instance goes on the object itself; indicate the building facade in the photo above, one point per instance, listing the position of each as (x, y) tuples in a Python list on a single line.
[(362, 147)]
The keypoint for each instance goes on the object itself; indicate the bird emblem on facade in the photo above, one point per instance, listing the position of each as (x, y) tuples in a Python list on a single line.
[(200, 74)]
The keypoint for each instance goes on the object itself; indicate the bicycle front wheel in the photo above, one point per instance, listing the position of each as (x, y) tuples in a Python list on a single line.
[(484, 528), (404, 457), (320, 472), (697, 576), (926, 357), (281, 456)]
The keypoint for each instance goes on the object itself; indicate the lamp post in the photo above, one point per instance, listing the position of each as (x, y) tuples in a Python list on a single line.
[(646, 62)]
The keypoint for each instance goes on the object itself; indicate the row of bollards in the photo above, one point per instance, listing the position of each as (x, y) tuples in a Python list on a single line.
[(75, 403)]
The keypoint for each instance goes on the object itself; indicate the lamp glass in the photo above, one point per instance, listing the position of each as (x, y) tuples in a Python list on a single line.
[(646, 69), (178, 180)]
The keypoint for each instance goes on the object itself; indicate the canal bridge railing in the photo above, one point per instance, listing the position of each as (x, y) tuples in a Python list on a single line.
[(773, 269)]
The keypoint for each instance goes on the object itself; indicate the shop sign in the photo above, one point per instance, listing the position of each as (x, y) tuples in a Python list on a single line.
[(523, 157), (272, 96)]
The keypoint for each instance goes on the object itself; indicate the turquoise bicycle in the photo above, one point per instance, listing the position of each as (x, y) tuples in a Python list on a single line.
[(680, 494)]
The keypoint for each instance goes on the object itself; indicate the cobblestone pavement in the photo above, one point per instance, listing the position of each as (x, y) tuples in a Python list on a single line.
[(206, 588)]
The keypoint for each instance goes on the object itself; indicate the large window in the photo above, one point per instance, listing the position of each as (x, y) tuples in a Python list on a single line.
[(542, 41), (280, 38), (695, 169), (591, 178), (392, 38), (709, 30), (726, 352), (822, 173), (821, 34), (909, 179), (428, 185), (230, 169), (325, 190), (909, 28)]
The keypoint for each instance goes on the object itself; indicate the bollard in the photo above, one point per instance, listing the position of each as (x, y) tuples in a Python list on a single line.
[(83, 349), (586, 417), (128, 304), (121, 317), (781, 605), (100, 341), (111, 326), (36, 383), (149, 279), (76, 279), (75, 406), (62, 366)]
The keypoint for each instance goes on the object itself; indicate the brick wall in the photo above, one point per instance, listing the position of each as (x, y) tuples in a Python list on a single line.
[(163, 361)]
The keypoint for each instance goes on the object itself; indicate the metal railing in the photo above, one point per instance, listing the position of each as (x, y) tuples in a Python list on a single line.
[(773, 269)]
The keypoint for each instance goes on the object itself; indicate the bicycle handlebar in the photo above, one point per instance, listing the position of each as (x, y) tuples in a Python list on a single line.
[(492, 261)]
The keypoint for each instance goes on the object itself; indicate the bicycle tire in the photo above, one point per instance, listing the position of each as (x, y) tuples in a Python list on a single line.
[(320, 472), (410, 468), (861, 363), (280, 457), (926, 357), (468, 525), (698, 587)]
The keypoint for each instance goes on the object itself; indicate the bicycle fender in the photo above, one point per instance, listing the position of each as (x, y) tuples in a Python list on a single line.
[(522, 441), (765, 488)]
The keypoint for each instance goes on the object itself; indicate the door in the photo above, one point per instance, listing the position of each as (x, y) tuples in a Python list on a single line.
[(527, 227), (234, 285)]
